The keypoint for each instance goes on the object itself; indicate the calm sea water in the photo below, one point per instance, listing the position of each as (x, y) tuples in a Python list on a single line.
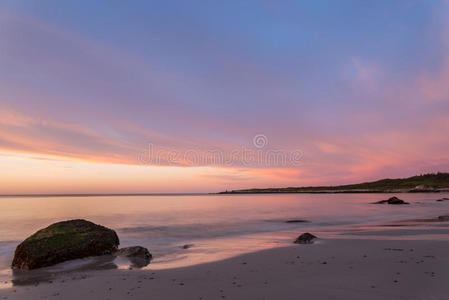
[(218, 226)]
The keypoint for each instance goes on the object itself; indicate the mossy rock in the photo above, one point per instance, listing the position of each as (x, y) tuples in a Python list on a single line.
[(64, 241)]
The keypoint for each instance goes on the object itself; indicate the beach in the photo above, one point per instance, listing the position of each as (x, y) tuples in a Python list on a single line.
[(327, 269), (224, 150), (245, 251)]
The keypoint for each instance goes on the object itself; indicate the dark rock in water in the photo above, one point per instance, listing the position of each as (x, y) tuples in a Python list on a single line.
[(64, 241), (137, 255), (296, 221), (135, 251), (443, 218), (305, 238), (392, 200), (443, 199), (187, 246)]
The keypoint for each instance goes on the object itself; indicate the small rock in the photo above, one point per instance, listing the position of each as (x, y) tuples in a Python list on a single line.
[(138, 256), (187, 246), (443, 199), (296, 221), (443, 218), (305, 238), (392, 200), (134, 251)]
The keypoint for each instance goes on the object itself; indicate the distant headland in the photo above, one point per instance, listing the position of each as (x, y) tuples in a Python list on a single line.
[(434, 182)]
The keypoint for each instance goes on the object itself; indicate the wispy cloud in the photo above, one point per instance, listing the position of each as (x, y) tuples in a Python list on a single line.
[(361, 99)]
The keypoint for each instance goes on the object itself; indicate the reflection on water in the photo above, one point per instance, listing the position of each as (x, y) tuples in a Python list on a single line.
[(73, 267), (218, 226)]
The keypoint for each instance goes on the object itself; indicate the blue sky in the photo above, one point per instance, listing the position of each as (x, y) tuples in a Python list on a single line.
[(358, 86)]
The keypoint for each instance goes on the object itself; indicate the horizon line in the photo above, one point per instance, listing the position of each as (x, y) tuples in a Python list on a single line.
[(100, 194)]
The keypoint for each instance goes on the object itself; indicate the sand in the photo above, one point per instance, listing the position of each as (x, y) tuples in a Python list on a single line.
[(329, 269)]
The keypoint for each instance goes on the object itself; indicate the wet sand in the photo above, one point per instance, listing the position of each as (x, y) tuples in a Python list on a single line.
[(328, 269)]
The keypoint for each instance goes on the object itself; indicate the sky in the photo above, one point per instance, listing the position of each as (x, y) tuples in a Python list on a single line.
[(204, 96)]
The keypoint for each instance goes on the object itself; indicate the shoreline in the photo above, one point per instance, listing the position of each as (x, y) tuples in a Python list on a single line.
[(424, 183), (97, 195), (437, 191), (235, 192), (328, 269), (402, 258)]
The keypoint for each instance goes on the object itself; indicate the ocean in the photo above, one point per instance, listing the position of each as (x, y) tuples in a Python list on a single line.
[(214, 226)]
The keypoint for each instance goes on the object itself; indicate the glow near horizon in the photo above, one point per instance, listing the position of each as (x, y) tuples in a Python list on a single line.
[(360, 88)]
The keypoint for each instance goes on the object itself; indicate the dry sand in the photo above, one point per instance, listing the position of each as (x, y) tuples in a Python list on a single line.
[(329, 269)]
